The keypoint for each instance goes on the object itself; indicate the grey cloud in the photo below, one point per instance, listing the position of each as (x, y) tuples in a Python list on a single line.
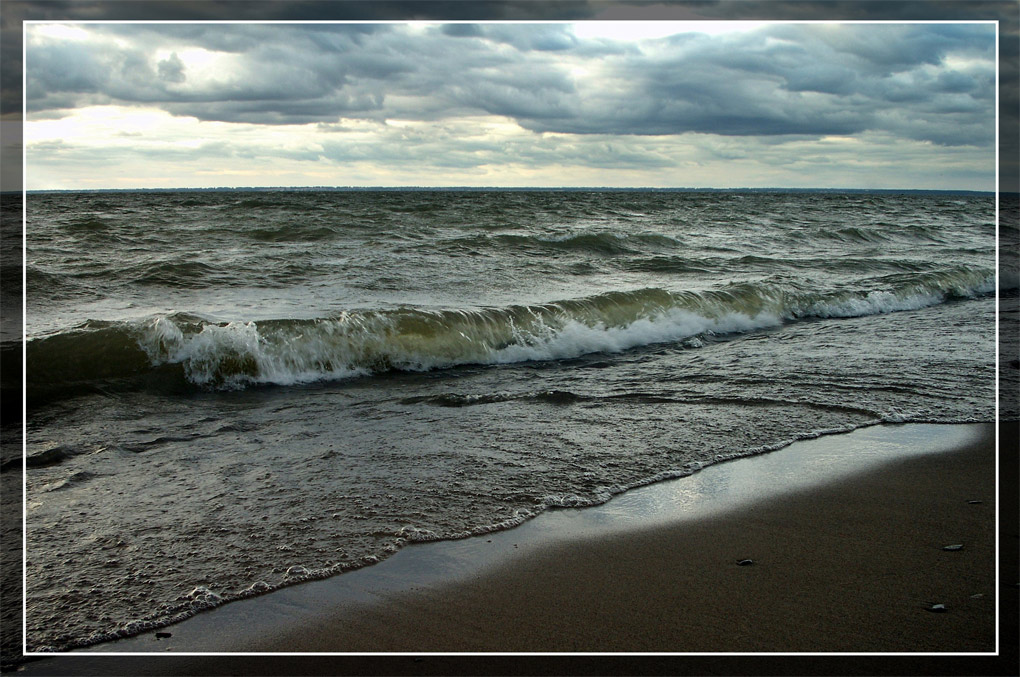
[(805, 82), (946, 128), (957, 83), (524, 37), (824, 79), (463, 30), (892, 47), (17, 11), (278, 82), (235, 38), (254, 111), (516, 90), (446, 149), (172, 69), (514, 101), (786, 79), (64, 68), (750, 85)]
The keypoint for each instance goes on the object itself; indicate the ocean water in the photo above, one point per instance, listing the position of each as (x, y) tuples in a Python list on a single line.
[(228, 392)]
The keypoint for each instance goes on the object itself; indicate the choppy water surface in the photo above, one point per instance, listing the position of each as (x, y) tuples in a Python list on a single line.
[(229, 392)]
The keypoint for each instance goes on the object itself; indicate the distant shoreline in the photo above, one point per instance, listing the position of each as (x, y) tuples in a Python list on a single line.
[(515, 189)]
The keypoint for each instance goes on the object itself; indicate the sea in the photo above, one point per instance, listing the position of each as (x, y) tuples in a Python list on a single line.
[(227, 392)]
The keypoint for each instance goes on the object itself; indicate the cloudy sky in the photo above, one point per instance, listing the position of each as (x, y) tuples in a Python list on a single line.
[(699, 104)]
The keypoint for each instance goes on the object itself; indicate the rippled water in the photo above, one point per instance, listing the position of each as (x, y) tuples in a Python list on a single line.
[(229, 391)]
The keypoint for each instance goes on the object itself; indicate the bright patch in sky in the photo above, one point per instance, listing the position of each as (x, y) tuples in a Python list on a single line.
[(59, 31), (102, 125), (201, 60)]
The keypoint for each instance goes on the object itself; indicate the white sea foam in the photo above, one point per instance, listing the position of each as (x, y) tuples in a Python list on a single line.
[(287, 352), (575, 338), (874, 303), (236, 353)]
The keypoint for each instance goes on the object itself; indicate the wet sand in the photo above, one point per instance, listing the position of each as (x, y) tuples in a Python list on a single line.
[(853, 564)]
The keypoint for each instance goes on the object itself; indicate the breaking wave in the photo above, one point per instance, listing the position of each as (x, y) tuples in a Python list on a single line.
[(187, 351)]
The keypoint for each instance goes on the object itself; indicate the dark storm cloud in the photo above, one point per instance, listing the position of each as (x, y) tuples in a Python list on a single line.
[(1005, 12), (885, 48), (792, 80), (283, 75), (14, 12), (785, 79)]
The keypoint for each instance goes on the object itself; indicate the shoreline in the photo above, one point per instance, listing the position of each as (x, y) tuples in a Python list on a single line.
[(837, 544), (677, 586)]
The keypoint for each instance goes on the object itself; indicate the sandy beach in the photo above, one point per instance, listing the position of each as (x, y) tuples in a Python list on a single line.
[(854, 565), (851, 567)]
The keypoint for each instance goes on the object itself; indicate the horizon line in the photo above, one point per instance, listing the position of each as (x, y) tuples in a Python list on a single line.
[(502, 188)]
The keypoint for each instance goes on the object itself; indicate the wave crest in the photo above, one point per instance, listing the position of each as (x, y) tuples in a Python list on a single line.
[(363, 342)]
